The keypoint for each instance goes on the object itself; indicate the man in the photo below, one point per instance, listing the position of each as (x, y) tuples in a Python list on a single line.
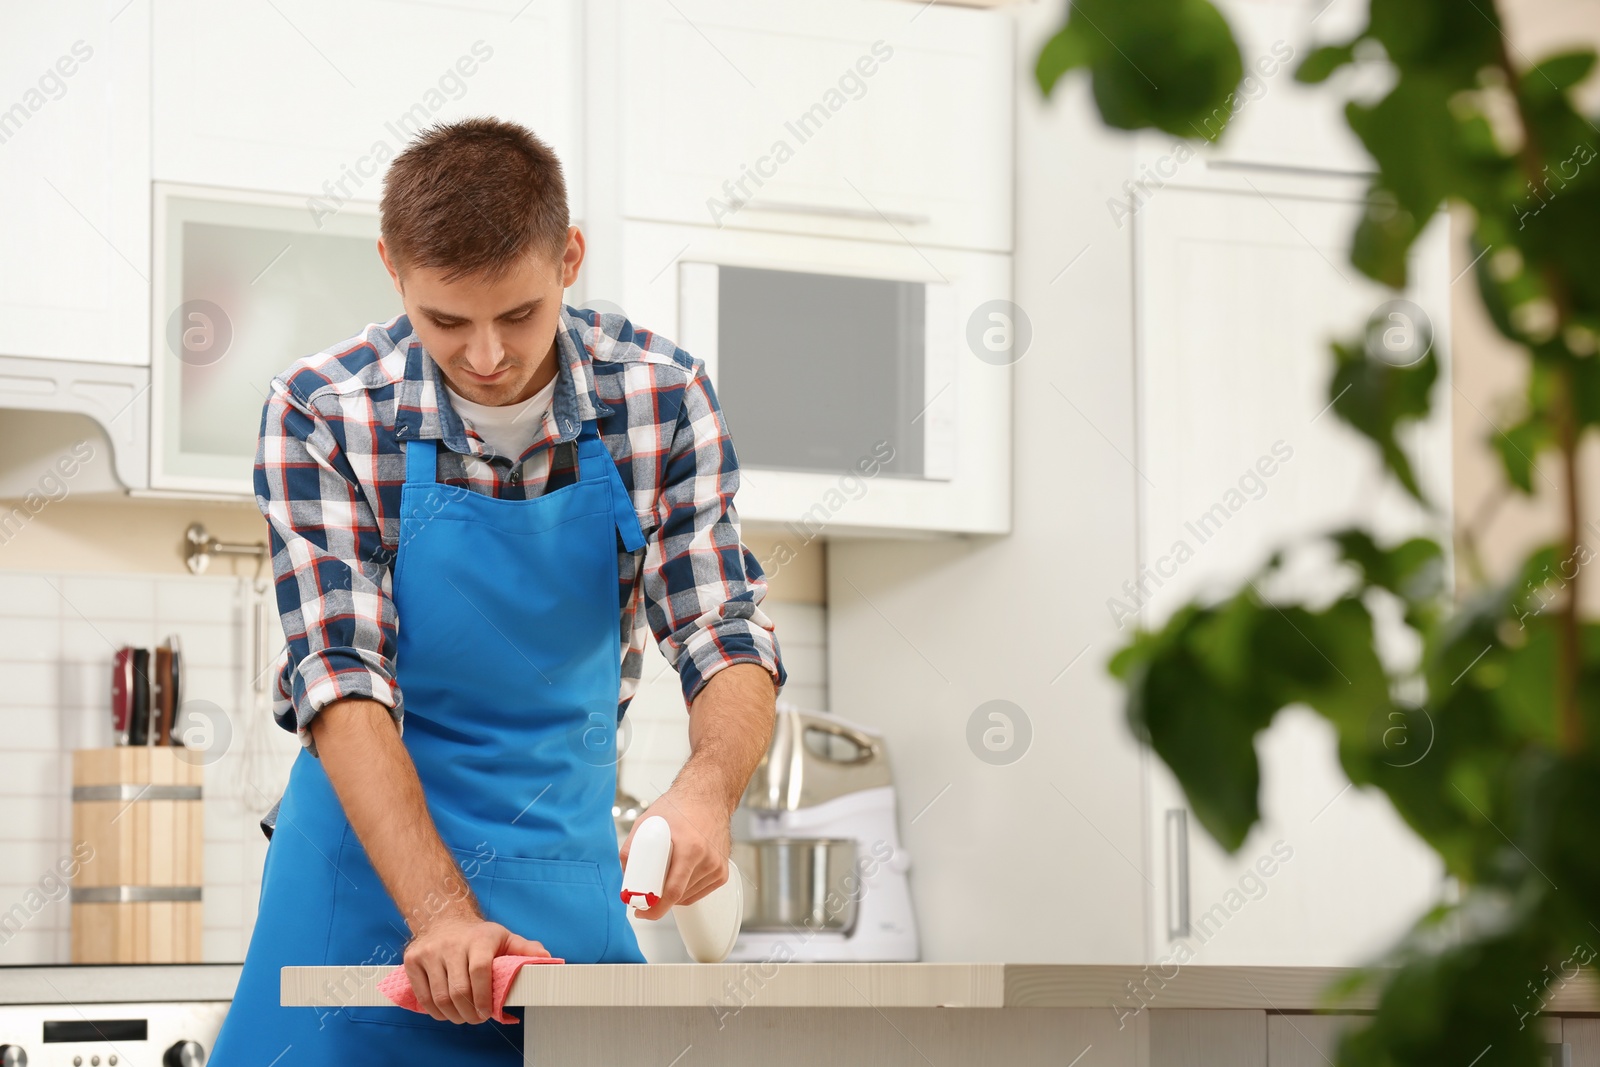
[(467, 506)]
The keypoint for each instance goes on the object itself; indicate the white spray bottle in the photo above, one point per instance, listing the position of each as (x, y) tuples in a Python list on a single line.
[(711, 924)]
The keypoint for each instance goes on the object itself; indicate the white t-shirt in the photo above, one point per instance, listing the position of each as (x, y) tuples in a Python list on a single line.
[(509, 428)]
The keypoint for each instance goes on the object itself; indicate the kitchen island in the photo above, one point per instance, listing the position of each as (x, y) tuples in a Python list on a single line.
[(915, 1014)]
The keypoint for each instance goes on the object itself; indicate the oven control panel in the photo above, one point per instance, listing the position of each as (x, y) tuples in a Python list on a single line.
[(109, 1035)]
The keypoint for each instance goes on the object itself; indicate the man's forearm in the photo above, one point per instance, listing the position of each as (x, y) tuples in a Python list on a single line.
[(730, 726), (377, 784)]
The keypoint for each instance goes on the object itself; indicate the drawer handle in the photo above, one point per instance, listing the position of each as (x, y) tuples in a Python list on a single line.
[(1177, 873), (869, 214), (133, 894), (129, 791)]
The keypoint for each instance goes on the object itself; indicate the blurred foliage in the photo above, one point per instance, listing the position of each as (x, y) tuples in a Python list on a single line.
[(1506, 688)]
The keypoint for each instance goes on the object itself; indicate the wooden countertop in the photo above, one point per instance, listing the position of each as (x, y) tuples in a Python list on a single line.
[(902, 985)]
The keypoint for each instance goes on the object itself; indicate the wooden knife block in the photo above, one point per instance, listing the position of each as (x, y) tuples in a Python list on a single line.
[(136, 896)]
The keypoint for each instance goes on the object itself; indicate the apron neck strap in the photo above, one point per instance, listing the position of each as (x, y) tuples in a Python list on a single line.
[(593, 458), (422, 457), (596, 465), (422, 462)]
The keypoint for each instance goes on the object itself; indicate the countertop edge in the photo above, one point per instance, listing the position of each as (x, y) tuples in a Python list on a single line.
[(728, 987)]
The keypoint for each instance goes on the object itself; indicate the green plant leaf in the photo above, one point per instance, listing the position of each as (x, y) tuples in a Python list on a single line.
[(1455, 1005), (1558, 217), (1527, 699), (1412, 134), (1519, 447), (1201, 690), (1071, 47), (1412, 570), (1557, 74), (1201, 727), (1437, 35), (1586, 391), (1383, 238), (1322, 62), (1563, 815), (1324, 659), (1187, 41), (1377, 398)]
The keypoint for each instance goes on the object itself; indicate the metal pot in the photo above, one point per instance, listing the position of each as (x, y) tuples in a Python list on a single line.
[(625, 811), (796, 884)]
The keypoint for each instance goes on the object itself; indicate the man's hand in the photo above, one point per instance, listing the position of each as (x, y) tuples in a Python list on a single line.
[(730, 726), (450, 966), (452, 949), (701, 842)]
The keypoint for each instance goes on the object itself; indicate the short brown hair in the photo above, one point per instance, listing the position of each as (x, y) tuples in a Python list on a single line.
[(473, 198)]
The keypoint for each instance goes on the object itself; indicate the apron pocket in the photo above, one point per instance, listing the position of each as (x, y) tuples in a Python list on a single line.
[(368, 930), (559, 903)]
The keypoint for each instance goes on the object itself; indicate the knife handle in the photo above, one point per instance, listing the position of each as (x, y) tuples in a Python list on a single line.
[(139, 717), (161, 697), (121, 694)]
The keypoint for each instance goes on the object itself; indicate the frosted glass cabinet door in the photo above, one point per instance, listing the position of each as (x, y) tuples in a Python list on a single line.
[(245, 285)]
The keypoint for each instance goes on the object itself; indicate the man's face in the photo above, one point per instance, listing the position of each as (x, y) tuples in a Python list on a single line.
[(494, 341)]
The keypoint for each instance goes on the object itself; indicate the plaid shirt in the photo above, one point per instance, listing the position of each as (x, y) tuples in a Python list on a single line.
[(330, 464)]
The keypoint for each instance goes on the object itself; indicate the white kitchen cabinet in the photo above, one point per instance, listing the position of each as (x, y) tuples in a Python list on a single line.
[(965, 482), (1280, 132), (869, 119), (1280, 123), (314, 99), (1238, 295), (1304, 1040), (74, 182)]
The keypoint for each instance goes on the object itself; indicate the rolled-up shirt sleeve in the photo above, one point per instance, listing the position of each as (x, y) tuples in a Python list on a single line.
[(702, 587), (331, 569)]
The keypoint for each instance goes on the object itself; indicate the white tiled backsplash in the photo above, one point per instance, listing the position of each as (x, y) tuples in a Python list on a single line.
[(58, 632)]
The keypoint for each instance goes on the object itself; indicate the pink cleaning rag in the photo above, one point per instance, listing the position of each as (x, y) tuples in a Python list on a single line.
[(397, 987)]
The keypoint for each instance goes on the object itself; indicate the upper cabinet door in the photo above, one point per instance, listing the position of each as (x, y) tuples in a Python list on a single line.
[(855, 118), (312, 98), (1277, 122), (1275, 132), (74, 181)]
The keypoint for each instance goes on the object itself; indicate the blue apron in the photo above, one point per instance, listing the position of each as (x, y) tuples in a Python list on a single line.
[(509, 659)]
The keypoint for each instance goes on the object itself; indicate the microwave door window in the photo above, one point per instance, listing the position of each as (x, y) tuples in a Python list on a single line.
[(815, 372)]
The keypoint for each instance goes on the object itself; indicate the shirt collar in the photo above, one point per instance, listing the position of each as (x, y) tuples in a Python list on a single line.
[(423, 410)]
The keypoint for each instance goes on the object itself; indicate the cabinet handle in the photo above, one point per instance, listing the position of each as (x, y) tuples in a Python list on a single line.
[(1177, 873), (870, 214)]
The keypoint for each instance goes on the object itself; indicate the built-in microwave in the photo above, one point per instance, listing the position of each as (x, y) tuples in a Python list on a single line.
[(857, 378)]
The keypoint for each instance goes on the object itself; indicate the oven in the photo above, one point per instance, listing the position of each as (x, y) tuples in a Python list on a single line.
[(134, 1034)]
